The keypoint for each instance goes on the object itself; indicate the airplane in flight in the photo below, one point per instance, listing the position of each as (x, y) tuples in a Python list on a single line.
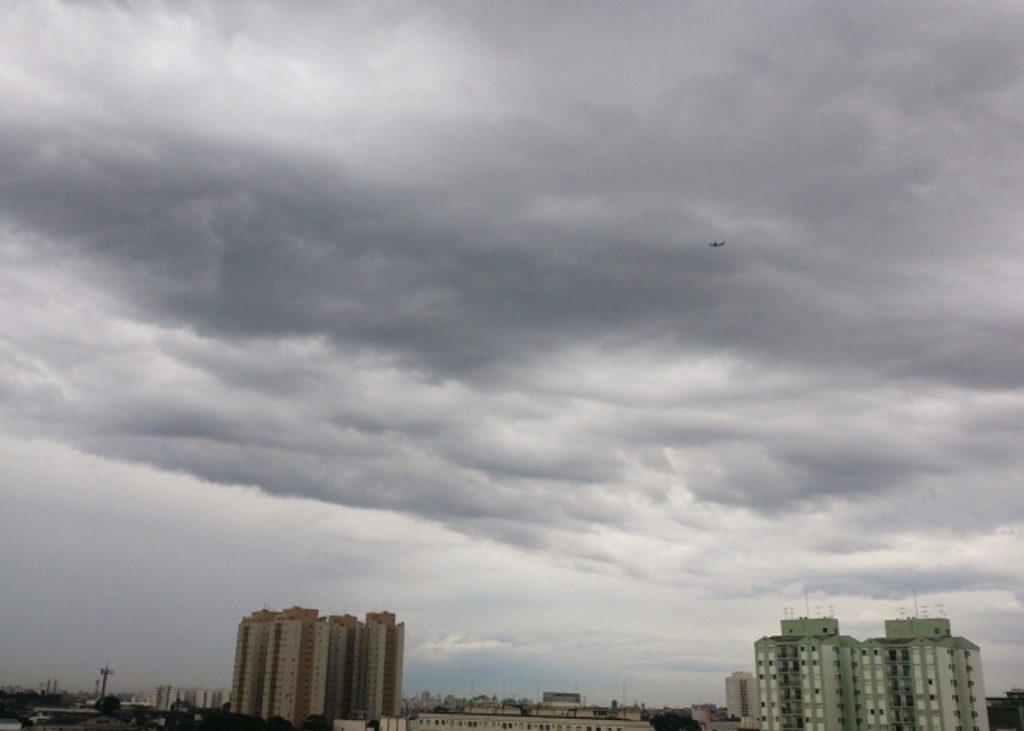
[(716, 244)]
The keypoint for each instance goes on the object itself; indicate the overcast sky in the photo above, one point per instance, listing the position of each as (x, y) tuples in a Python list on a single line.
[(411, 306)]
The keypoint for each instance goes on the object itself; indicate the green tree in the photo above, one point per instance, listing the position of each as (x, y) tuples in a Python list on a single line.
[(231, 722), (108, 705), (672, 721), (277, 723), (316, 722)]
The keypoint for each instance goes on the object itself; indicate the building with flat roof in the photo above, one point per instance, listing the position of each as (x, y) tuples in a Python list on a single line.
[(532, 718), (918, 677), (295, 663), (741, 697), (1006, 714), (382, 660)]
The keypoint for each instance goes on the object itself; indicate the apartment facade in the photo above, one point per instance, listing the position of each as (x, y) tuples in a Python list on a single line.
[(250, 663), (384, 644), (288, 671), (336, 676), (294, 664), (916, 678), (741, 697)]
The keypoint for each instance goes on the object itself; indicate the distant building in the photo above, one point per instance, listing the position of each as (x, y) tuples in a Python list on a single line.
[(166, 696), (741, 698), (916, 678), (295, 664), (568, 700), (1006, 714), (548, 717)]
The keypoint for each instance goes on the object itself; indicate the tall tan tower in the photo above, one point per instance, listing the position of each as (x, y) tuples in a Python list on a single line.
[(383, 655), (250, 662), (289, 667), (336, 674), (295, 664)]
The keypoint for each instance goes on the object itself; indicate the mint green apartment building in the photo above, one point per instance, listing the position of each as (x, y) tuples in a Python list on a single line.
[(916, 678)]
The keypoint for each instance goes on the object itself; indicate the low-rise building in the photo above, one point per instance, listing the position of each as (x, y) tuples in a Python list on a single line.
[(551, 717), (1006, 714)]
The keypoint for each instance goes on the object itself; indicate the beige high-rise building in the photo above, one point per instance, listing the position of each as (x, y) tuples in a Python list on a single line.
[(383, 655), (741, 698), (295, 664), (289, 668), (336, 667), (250, 663)]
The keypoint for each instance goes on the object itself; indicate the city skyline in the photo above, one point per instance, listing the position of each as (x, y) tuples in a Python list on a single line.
[(426, 307)]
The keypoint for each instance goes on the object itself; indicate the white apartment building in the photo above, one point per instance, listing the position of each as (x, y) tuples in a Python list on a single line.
[(916, 678), (741, 696), (165, 696), (532, 718)]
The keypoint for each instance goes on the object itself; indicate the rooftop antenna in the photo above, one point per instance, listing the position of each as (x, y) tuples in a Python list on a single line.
[(807, 602), (942, 609), (915, 602), (105, 671), (817, 609), (903, 612), (832, 612), (924, 611)]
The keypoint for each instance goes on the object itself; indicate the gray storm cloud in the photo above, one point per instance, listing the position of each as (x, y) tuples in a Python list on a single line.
[(453, 261)]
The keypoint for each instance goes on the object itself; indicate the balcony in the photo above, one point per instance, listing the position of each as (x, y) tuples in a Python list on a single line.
[(897, 671)]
